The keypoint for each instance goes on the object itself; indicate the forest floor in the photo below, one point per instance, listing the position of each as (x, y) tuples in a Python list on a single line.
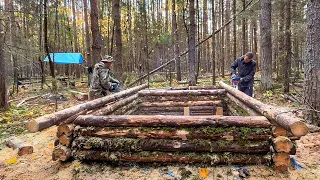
[(39, 165)]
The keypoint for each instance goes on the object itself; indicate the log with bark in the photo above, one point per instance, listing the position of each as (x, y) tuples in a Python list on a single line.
[(248, 110), (73, 117), (179, 98), (131, 106), (292, 124), (219, 92), (172, 121), (168, 145), (203, 87), (115, 106), (163, 157), (49, 120), (177, 109), (181, 104), (212, 133), (61, 153), (17, 143)]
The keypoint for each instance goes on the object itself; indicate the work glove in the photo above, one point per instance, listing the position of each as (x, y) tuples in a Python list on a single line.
[(233, 76)]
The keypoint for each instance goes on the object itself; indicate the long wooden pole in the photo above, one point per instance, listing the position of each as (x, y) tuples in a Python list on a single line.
[(49, 120), (290, 123)]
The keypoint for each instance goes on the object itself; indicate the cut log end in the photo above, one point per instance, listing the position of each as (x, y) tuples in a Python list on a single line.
[(281, 162), (299, 129), (282, 144), (61, 153), (33, 126), (25, 150)]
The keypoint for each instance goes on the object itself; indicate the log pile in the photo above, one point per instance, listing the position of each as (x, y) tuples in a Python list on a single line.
[(185, 139), (217, 125)]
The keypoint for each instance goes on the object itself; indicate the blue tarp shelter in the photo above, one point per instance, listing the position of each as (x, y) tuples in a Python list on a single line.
[(66, 58)]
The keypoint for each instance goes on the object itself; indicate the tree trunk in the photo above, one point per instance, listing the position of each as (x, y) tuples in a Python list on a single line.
[(287, 64), (46, 46), (206, 64), (228, 47), (234, 9), (75, 36), (96, 37), (213, 63), (191, 45), (88, 44), (212, 133), (222, 45), (244, 30), (291, 124), (3, 69), (161, 157), (116, 15), (175, 35), (266, 46), (172, 121), (49, 120), (312, 64)]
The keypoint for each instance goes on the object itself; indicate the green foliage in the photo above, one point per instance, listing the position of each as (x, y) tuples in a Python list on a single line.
[(268, 94)]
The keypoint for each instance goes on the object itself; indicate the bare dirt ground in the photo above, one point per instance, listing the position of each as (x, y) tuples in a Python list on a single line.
[(39, 165)]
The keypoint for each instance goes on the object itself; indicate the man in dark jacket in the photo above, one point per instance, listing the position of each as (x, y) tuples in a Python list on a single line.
[(246, 70)]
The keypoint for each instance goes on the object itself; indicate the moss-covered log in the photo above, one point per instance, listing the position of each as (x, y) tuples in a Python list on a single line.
[(115, 106), (292, 124), (181, 104), (168, 145), (56, 118), (172, 121), (161, 157), (212, 133), (181, 92)]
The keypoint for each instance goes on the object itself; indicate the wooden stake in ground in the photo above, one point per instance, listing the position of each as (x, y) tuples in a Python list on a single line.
[(16, 143), (56, 118), (292, 124)]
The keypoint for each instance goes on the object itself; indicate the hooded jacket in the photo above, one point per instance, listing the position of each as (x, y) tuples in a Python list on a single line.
[(246, 71)]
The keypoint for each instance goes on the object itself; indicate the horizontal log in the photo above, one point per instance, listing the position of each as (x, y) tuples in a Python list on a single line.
[(290, 123), (73, 117), (115, 106), (177, 109), (180, 104), (248, 110), (168, 145), (126, 108), (181, 92), (212, 133), (61, 153), (179, 98), (56, 118), (172, 121), (203, 87), (17, 143), (160, 157)]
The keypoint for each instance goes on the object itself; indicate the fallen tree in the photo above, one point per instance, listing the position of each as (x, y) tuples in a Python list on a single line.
[(290, 123), (56, 118)]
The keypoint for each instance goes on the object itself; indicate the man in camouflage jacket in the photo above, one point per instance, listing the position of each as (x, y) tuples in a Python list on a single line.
[(101, 81)]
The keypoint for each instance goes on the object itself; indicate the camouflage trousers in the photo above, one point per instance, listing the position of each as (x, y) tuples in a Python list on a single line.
[(97, 94)]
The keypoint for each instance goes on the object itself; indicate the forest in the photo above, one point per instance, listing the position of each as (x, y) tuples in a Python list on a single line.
[(166, 44)]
